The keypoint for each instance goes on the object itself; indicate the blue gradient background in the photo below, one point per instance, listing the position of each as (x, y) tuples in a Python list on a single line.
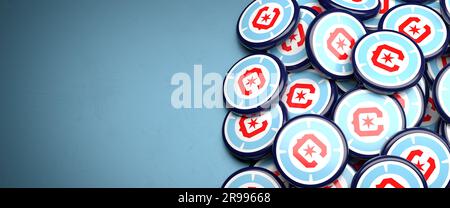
[(85, 92)]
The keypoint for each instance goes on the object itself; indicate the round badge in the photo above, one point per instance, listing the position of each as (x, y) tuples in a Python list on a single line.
[(292, 51), (330, 41), (422, 24), (265, 23), (308, 93), (252, 177), (252, 136), (368, 120), (387, 61), (426, 150), (310, 151), (388, 172), (254, 83), (413, 103)]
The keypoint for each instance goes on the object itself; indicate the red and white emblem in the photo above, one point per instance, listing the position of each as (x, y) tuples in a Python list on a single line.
[(295, 42), (310, 152), (298, 95), (252, 82), (388, 58), (368, 121), (416, 28), (266, 17), (424, 162), (253, 127), (340, 43)]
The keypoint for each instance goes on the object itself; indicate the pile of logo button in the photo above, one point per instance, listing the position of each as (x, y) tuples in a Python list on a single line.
[(341, 93)]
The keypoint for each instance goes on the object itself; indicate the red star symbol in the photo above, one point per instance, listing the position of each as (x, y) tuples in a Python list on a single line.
[(419, 165), (387, 58), (251, 81), (253, 123), (293, 37), (300, 95), (341, 43), (266, 18), (309, 150), (414, 29), (368, 121)]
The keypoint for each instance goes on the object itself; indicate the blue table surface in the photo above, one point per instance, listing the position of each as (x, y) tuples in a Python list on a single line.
[(86, 93)]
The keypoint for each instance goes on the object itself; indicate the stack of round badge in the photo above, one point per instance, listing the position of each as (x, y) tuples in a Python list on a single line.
[(340, 94)]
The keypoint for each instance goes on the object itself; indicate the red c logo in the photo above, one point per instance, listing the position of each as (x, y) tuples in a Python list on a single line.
[(266, 25), (252, 124), (300, 95), (251, 80), (387, 57), (309, 150), (414, 29), (368, 121), (300, 33), (432, 164), (340, 43)]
